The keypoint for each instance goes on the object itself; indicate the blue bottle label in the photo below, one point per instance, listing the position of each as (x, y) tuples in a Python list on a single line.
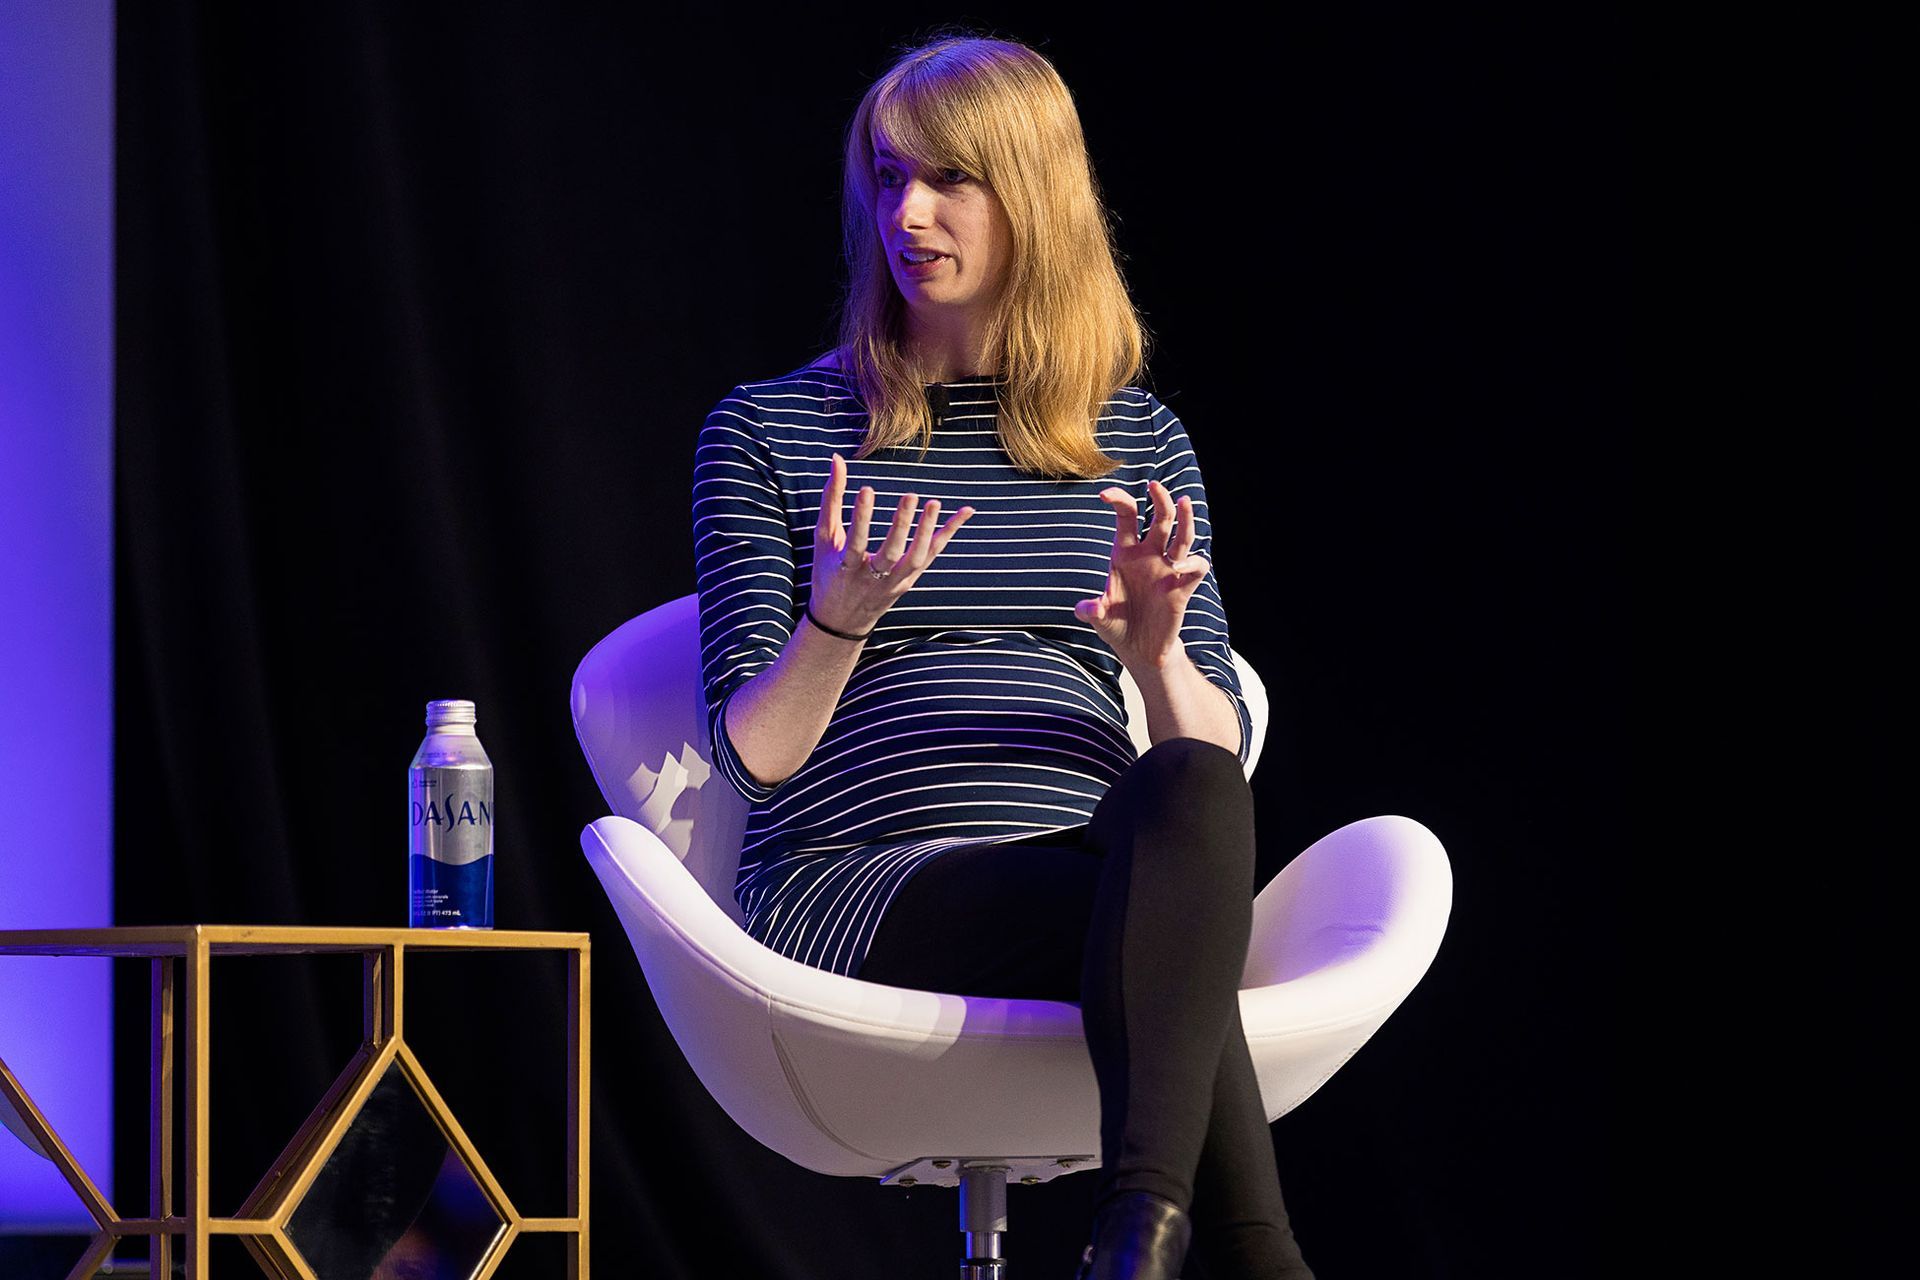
[(452, 895)]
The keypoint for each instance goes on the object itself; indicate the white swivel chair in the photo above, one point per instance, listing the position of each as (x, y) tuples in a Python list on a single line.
[(858, 1079)]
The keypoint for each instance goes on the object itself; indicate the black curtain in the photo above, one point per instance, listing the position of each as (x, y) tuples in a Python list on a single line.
[(419, 309)]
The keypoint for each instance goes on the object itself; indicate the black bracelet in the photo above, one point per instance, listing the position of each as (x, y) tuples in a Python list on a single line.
[(829, 630)]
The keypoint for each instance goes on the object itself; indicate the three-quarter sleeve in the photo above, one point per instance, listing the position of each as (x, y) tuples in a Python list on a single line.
[(743, 568), (1204, 629)]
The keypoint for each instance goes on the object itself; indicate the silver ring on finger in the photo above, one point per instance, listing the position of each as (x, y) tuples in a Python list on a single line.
[(876, 573)]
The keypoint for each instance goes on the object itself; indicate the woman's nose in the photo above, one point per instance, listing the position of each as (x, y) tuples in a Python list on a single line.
[(916, 205)]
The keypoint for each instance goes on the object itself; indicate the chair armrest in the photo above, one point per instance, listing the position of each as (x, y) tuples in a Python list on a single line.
[(1347, 928)]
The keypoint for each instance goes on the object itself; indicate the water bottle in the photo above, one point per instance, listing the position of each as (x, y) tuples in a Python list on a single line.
[(450, 846)]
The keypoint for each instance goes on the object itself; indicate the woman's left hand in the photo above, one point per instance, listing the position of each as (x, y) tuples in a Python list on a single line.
[(1148, 582)]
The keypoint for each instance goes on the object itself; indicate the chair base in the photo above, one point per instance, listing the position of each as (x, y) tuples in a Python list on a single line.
[(949, 1171), (983, 1219), (983, 1199)]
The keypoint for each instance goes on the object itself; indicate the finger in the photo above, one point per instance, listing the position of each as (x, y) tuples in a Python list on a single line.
[(1197, 566), (1184, 531), (832, 497), (862, 517), (1162, 531), (895, 547), (953, 526), (922, 549), (1126, 514)]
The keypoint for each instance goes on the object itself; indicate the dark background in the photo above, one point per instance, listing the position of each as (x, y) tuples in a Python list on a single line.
[(419, 310)]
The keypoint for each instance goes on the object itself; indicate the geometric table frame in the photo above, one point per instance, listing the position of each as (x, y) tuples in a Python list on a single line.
[(181, 967)]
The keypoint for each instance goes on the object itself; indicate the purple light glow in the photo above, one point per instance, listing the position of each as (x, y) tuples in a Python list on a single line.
[(56, 622)]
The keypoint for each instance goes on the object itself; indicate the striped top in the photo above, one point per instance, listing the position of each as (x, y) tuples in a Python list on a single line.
[(981, 708)]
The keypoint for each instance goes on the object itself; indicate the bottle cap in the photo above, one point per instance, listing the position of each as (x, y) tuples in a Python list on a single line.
[(449, 711)]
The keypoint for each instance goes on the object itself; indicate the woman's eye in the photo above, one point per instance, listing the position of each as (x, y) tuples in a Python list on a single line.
[(950, 176)]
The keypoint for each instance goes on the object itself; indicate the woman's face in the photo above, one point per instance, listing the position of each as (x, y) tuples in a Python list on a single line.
[(948, 212)]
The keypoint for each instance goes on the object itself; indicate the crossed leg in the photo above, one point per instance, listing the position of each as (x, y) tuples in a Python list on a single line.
[(1142, 915)]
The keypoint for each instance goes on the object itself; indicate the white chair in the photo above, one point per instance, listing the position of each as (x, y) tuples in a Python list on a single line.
[(858, 1079)]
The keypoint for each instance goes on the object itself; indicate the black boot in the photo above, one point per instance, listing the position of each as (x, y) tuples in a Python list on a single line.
[(1136, 1236)]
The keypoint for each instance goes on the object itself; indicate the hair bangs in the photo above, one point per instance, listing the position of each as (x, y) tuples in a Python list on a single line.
[(925, 125)]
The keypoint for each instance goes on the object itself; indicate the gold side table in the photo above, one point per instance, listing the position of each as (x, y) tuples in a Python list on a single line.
[(383, 1080)]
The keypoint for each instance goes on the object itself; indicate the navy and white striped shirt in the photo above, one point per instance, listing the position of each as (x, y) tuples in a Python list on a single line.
[(981, 709)]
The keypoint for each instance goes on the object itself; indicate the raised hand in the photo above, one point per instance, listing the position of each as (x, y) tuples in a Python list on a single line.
[(853, 587), (1149, 580)]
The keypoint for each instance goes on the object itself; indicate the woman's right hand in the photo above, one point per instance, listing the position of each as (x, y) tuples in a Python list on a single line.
[(846, 596)]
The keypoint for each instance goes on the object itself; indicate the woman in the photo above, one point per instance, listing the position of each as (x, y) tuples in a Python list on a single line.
[(931, 730)]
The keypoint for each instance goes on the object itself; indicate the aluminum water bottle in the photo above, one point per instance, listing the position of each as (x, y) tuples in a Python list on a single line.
[(450, 846)]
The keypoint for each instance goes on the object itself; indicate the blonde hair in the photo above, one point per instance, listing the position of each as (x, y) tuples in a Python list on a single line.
[(1064, 334)]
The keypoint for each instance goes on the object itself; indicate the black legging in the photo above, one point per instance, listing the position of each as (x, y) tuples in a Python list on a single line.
[(1141, 916)]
